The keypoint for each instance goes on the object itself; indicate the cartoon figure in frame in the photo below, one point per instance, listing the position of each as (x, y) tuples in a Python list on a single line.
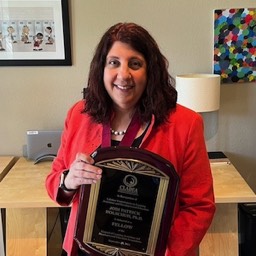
[(38, 40), (10, 36), (48, 31), (1, 42), (25, 34)]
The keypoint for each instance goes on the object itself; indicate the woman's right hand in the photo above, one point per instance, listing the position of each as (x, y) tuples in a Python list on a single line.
[(82, 171)]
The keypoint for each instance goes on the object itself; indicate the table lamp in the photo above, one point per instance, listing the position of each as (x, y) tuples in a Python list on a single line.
[(199, 92)]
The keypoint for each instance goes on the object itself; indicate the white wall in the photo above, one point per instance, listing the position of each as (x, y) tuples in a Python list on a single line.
[(39, 97)]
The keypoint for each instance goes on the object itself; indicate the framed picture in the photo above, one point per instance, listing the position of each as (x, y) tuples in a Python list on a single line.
[(235, 44), (34, 33)]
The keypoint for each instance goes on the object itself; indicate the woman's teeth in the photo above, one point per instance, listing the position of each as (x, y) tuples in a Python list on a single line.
[(124, 87)]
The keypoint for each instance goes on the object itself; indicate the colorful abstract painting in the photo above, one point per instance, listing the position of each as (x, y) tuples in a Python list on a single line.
[(235, 45)]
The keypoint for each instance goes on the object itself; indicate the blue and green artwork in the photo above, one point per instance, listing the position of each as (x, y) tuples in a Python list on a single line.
[(235, 45)]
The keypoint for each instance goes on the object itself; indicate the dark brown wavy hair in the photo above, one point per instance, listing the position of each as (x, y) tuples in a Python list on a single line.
[(159, 97)]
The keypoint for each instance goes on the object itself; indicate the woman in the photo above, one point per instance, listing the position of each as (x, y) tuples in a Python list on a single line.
[(129, 78)]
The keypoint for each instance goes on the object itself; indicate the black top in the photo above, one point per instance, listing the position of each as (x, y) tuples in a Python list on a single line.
[(135, 143)]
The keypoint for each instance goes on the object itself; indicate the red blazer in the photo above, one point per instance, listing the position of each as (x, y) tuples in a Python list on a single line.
[(180, 140)]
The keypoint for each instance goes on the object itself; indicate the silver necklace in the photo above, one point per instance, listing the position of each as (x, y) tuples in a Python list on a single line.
[(117, 132)]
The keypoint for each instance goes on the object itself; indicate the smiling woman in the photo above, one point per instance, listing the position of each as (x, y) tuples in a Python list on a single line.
[(159, 95), (125, 78), (131, 92)]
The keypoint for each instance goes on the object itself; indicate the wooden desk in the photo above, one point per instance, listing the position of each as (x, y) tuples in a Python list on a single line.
[(23, 194), (6, 163), (230, 189)]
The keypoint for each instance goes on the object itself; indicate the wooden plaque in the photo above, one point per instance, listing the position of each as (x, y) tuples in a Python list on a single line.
[(129, 212)]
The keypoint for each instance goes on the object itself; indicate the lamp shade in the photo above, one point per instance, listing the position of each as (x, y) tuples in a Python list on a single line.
[(199, 92)]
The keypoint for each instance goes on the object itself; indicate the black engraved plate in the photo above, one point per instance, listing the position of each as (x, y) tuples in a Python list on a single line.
[(129, 212)]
